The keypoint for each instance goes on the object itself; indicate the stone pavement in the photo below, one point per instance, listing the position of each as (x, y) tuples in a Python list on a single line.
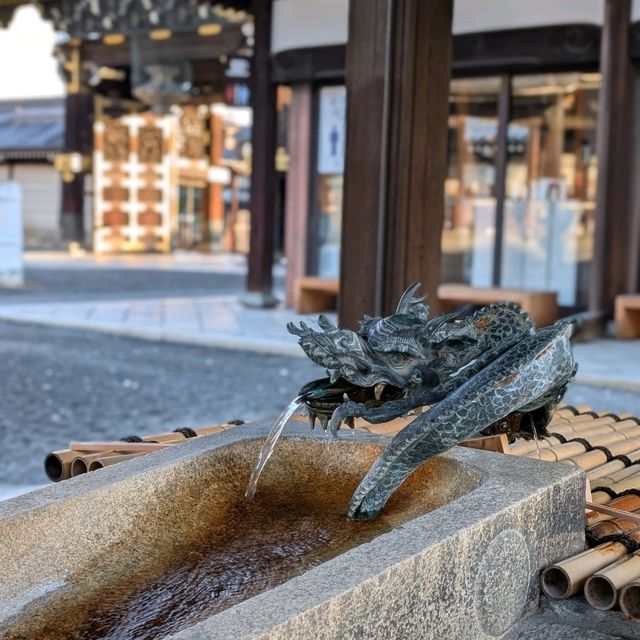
[(222, 321), (215, 316), (215, 321)]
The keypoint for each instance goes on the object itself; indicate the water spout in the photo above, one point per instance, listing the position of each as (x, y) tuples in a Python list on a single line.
[(270, 444)]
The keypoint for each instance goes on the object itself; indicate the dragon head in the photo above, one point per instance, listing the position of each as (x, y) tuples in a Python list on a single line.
[(401, 354), (394, 350)]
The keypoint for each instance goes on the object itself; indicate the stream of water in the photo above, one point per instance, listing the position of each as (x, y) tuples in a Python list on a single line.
[(270, 444)]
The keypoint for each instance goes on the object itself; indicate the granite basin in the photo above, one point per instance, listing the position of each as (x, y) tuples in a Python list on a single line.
[(167, 545)]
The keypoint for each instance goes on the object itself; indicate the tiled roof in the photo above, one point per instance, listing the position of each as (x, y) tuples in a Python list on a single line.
[(31, 129)]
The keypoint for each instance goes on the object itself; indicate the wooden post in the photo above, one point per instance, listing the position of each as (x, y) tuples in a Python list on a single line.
[(398, 69), (78, 138), (500, 185), (214, 206), (297, 195), (634, 198), (610, 272), (263, 178)]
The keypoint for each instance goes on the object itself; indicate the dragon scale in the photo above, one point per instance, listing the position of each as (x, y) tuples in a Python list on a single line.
[(489, 372)]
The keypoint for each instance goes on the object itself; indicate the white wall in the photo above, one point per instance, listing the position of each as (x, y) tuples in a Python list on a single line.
[(27, 66), (41, 192), (299, 24), (470, 16)]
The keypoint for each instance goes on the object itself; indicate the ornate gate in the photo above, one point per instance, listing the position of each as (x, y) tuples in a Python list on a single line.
[(134, 183)]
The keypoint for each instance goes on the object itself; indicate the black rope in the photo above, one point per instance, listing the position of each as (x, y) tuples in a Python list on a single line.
[(624, 459), (608, 490), (623, 538), (605, 451), (589, 413), (585, 443), (560, 437), (132, 438), (630, 492), (186, 432), (572, 409), (592, 541)]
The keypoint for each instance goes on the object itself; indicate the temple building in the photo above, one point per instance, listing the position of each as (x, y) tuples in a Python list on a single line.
[(155, 152), (330, 131), (522, 152)]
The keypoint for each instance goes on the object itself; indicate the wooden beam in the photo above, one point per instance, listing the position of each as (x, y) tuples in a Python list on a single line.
[(263, 174), (610, 271), (398, 70), (500, 185), (78, 138), (297, 189)]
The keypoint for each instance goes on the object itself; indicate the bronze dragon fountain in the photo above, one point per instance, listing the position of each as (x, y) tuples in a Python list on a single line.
[(490, 372)]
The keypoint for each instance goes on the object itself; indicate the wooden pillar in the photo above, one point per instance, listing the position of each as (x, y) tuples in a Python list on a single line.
[(610, 272), (214, 206), (263, 178), (634, 259), (500, 185), (78, 139), (296, 210), (398, 69)]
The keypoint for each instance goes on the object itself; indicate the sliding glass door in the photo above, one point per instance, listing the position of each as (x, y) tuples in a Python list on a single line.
[(522, 174), (551, 185), (470, 202)]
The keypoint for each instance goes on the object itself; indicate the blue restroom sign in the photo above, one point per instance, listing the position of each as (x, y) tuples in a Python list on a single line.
[(331, 130)]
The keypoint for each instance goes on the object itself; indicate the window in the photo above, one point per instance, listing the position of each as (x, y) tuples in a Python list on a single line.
[(546, 213), (329, 177)]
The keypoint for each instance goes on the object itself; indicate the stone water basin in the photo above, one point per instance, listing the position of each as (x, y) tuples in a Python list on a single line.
[(167, 545)]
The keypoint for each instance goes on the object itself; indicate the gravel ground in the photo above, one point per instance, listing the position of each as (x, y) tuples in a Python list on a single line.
[(58, 385), (47, 284)]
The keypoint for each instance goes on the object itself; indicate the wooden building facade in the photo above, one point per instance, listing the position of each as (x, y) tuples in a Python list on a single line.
[(425, 139), (506, 161)]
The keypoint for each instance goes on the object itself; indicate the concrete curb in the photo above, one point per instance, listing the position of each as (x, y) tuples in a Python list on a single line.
[(608, 383), (206, 340)]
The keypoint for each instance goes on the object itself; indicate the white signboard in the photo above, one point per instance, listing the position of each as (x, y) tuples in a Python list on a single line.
[(332, 130), (11, 273)]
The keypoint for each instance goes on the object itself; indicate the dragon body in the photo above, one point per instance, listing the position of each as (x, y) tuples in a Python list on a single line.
[(490, 372)]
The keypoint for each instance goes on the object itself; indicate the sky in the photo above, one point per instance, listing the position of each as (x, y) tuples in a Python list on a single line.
[(29, 69)]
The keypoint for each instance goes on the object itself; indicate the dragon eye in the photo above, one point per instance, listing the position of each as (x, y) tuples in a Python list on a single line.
[(398, 359)]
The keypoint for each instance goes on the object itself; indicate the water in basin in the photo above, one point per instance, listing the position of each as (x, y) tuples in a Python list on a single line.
[(202, 547)]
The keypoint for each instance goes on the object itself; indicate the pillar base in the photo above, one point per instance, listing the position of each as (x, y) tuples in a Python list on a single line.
[(259, 300)]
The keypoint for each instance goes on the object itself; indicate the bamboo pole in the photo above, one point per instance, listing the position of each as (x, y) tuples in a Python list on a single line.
[(630, 600), (57, 464), (564, 579), (631, 482), (603, 588), (628, 503), (121, 447), (524, 447), (107, 460)]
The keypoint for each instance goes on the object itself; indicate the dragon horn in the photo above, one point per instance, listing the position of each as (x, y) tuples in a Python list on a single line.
[(444, 318), (326, 324), (405, 301)]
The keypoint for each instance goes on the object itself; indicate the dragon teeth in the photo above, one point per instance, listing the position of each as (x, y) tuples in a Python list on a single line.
[(378, 389)]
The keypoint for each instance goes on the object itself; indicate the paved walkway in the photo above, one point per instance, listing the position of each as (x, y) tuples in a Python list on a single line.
[(218, 321), (221, 320)]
